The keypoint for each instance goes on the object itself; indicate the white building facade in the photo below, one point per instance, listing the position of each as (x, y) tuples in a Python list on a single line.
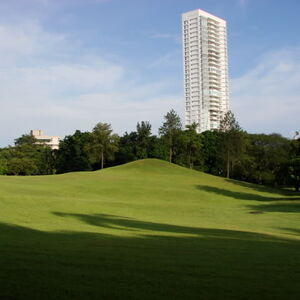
[(41, 139), (205, 69)]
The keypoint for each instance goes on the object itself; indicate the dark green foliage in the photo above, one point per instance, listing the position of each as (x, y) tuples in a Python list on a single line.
[(21, 166), (26, 158), (212, 162), (25, 139), (170, 132), (72, 154), (268, 154), (143, 141), (229, 152), (103, 144), (193, 149), (140, 144), (232, 142), (294, 164), (127, 148)]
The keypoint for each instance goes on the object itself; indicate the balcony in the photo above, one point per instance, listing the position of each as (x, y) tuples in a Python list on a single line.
[(213, 64), (213, 43), (213, 37), (213, 55), (212, 24), (215, 87), (214, 100), (213, 46), (213, 31), (214, 78), (213, 60), (212, 51), (215, 82)]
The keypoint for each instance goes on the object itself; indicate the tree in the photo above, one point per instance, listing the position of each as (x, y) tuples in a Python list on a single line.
[(73, 153), (126, 148), (232, 141), (143, 131), (169, 130), (27, 158), (193, 144), (25, 139), (267, 155), (212, 160), (22, 166), (294, 163), (104, 143)]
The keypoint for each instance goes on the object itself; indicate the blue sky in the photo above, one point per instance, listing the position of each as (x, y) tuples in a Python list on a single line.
[(68, 64)]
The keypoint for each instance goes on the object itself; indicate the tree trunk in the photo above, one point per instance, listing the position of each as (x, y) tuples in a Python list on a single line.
[(190, 163), (102, 160), (170, 150), (228, 165)]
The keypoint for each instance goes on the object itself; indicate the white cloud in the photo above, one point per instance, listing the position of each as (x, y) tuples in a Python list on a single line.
[(266, 99), (171, 59), (45, 85), (20, 43)]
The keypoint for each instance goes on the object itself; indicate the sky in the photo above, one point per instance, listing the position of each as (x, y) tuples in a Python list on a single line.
[(69, 64)]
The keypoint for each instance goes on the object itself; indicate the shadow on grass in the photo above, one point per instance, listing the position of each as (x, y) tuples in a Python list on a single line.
[(263, 188), (288, 207), (130, 224), (243, 195), (214, 264), (293, 231)]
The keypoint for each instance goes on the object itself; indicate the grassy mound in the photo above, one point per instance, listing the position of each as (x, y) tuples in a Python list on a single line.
[(146, 230)]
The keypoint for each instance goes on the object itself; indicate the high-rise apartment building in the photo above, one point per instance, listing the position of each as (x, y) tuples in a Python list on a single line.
[(205, 69)]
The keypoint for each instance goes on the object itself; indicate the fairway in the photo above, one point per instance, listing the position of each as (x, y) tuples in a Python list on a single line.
[(147, 230)]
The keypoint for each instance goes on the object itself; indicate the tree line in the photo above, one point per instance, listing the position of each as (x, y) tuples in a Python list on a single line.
[(231, 152)]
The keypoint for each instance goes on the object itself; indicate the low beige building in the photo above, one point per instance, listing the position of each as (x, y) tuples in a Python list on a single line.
[(51, 141)]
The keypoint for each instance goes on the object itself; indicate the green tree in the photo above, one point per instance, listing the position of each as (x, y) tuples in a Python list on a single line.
[(143, 139), (126, 148), (193, 144), (212, 160), (25, 139), (27, 158), (73, 153), (22, 166), (104, 143), (4, 156), (232, 141), (267, 154), (294, 163), (170, 129)]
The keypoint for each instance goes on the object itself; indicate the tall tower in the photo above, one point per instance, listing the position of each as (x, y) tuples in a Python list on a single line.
[(205, 69)]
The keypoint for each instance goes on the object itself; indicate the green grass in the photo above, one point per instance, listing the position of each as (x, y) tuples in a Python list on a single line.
[(147, 230)]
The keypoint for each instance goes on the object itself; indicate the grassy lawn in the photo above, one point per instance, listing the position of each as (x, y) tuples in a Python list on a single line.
[(147, 230)]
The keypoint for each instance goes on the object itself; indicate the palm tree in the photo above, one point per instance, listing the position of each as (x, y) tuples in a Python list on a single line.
[(104, 143)]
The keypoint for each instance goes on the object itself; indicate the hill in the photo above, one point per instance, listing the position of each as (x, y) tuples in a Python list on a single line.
[(146, 230)]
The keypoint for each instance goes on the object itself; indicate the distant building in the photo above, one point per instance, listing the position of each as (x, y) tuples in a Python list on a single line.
[(205, 69), (51, 141)]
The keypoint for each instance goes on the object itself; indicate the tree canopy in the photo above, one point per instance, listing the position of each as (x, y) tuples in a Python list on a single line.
[(259, 158)]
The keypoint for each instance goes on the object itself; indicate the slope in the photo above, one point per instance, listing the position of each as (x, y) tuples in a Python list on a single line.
[(148, 229)]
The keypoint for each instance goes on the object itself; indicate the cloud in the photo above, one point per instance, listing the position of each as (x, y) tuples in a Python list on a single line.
[(266, 98), (171, 59), (21, 43), (46, 84)]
